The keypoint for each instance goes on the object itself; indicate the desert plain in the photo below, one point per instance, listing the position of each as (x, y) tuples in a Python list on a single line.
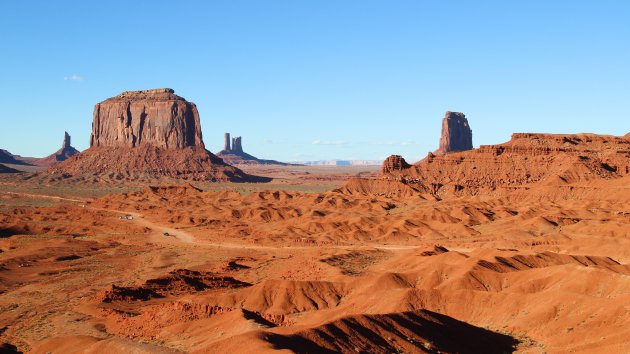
[(517, 247)]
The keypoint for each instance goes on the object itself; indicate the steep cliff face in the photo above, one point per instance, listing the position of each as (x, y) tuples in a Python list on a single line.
[(456, 134), (226, 142), (154, 117), (236, 145), (147, 163)]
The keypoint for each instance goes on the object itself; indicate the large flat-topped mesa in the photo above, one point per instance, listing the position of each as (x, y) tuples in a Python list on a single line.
[(167, 92), (66, 152), (155, 117)]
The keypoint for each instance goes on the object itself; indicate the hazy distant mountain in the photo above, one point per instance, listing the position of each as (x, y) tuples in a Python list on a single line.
[(341, 163)]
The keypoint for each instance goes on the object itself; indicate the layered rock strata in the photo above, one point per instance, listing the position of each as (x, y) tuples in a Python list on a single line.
[(155, 117)]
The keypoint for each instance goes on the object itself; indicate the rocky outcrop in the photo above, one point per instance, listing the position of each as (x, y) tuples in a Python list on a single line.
[(154, 117), (394, 163), (456, 134), (147, 135), (233, 154), (557, 162), (236, 145)]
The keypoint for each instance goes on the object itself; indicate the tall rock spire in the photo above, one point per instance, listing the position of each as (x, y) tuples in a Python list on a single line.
[(66, 141), (226, 142), (456, 134), (236, 144), (148, 135)]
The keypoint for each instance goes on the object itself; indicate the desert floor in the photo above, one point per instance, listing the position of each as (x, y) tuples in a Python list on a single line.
[(301, 265)]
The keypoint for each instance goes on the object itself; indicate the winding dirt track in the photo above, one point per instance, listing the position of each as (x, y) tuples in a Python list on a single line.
[(43, 196)]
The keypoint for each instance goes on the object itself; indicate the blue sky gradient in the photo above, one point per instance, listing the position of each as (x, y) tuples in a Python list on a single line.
[(309, 80)]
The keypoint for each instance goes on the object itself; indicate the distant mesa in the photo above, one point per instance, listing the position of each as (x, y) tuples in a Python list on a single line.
[(7, 169), (456, 134), (149, 134), (8, 158), (233, 153)]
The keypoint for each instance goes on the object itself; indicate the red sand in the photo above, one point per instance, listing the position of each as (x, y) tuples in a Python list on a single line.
[(377, 265)]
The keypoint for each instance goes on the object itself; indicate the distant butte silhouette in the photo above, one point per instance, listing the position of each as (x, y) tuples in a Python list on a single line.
[(233, 154)]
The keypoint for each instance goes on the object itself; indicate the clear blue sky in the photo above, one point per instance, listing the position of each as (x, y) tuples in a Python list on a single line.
[(307, 80)]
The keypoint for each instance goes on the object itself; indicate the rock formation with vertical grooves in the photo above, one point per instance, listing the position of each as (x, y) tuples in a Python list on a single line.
[(153, 117), (237, 148), (456, 134)]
